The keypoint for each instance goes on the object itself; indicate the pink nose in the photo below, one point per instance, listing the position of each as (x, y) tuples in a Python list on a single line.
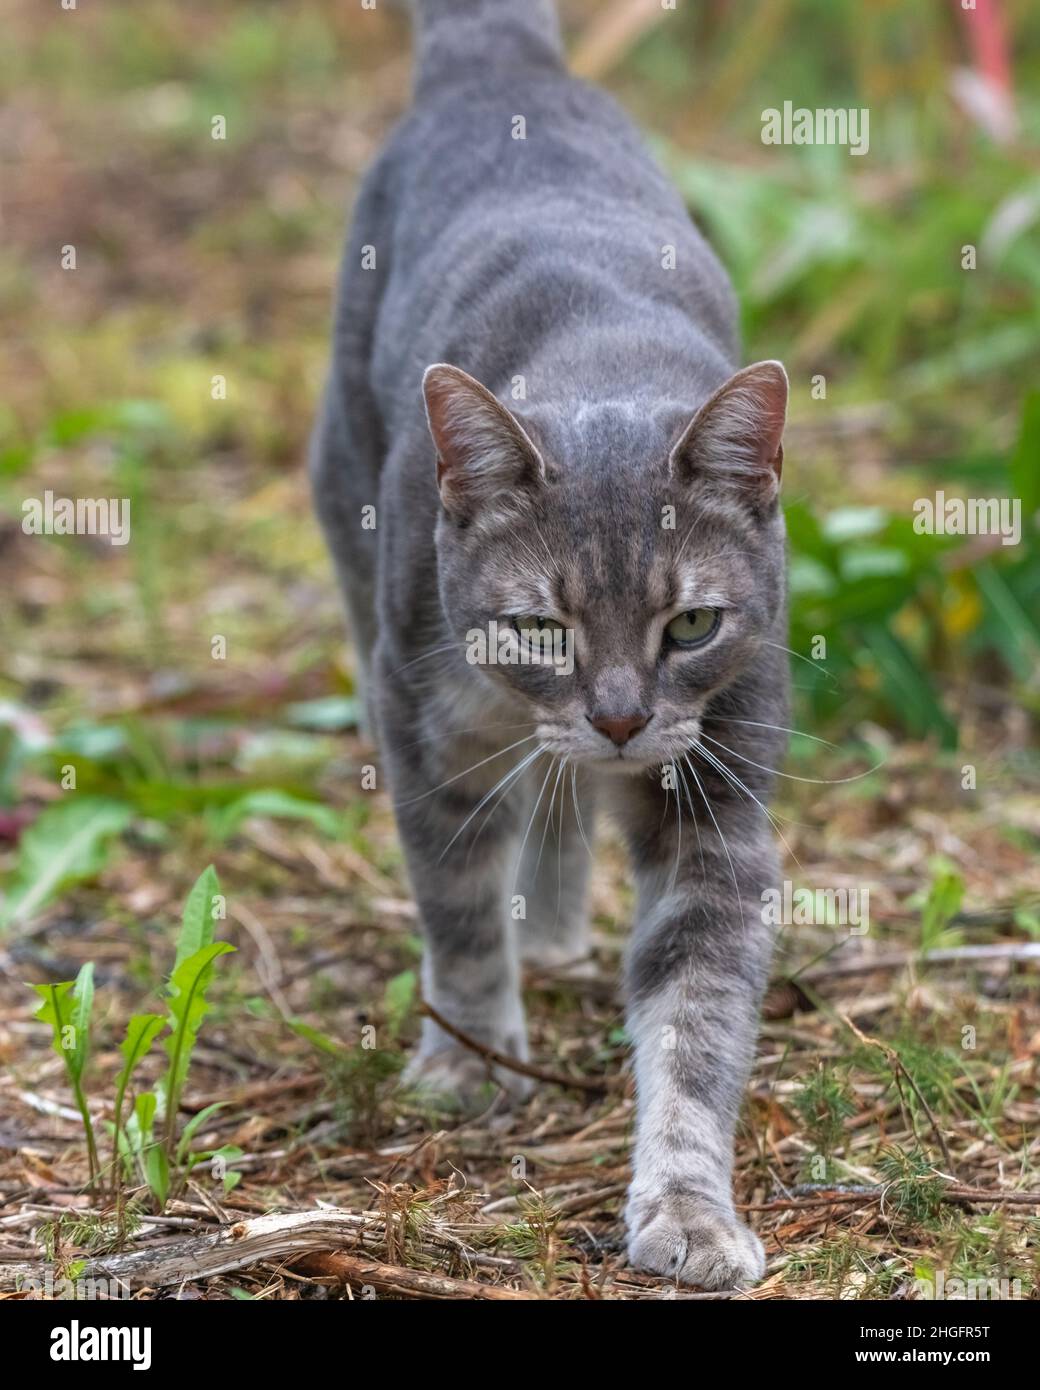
[(619, 729)]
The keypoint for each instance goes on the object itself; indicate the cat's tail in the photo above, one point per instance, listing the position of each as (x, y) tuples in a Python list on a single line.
[(460, 39)]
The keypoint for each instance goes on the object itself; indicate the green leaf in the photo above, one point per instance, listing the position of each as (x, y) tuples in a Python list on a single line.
[(975, 358), (139, 1126), (924, 1274), (93, 742), (328, 715), (1025, 468), (853, 523), (940, 907), (319, 1040), (197, 921), (69, 1017), (806, 575), (278, 804), (157, 1172), (193, 1125), (188, 985), (66, 844), (82, 1006), (72, 426), (141, 1032), (909, 686), (231, 1180), (871, 561), (227, 1152), (54, 1010), (1015, 632), (1028, 921), (68, 1014), (187, 1003)]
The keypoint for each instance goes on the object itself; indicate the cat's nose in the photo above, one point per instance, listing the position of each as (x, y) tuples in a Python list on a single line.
[(619, 728)]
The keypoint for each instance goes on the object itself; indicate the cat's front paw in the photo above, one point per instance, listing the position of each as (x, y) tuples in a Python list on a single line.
[(458, 1080), (689, 1238)]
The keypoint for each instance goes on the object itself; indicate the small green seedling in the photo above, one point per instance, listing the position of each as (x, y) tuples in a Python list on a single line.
[(144, 1133)]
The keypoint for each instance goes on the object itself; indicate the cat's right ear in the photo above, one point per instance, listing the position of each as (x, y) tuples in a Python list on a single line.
[(482, 450), (735, 439)]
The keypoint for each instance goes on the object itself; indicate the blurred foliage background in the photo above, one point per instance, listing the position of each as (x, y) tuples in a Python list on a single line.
[(198, 258)]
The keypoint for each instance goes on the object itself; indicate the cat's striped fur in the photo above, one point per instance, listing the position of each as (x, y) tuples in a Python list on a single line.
[(592, 455)]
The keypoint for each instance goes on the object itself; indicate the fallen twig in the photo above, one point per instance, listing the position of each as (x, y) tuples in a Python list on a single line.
[(500, 1059), (363, 1271), (895, 960), (259, 1091), (279, 1237)]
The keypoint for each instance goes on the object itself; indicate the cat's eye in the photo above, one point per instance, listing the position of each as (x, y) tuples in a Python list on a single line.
[(694, 628), (530, 625)]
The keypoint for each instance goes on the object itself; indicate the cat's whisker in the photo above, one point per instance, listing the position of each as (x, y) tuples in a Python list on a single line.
[(725, 846), (491, 758), (777, 728), (549, 817), (678, 846), (693, 817), (476, 729), (577, 809), (559, 837), (514, 771), (735, 782), (534, 812), (775, 819), (559, 847), (790, 776), (528, 761), (425, 656), (816, 665)]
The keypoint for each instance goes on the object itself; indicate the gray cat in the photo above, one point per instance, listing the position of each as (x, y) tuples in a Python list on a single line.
[(572, 595)]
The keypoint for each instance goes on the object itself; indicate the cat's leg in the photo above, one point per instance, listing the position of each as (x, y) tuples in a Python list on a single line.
[(460, 862), (548, 903), (697, 968)]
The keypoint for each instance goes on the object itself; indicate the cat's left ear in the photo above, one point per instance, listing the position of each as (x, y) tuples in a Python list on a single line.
[(483, 452), (735, 437)]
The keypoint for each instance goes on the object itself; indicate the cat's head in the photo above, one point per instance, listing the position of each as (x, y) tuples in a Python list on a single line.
[(617, 568)]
